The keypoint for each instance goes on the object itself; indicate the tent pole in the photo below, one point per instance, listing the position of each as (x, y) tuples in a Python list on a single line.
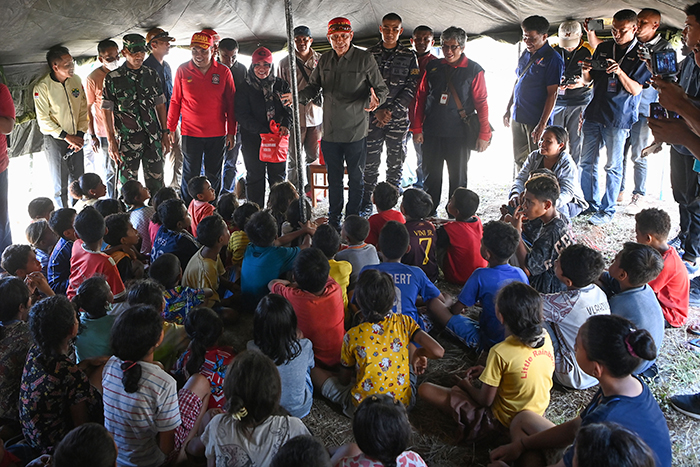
[(296, 124)]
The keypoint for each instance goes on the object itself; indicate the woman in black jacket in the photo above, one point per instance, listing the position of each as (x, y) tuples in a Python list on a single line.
[(257, 104)]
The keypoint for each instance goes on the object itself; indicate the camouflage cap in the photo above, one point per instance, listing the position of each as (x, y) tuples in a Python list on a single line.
[(135, 43)]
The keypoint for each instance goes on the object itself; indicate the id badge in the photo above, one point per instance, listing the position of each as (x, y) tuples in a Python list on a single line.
[(561, 91), (612, 84), (443, 98)]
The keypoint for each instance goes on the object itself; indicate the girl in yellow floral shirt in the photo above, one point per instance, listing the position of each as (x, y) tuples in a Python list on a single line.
[(378, 349)]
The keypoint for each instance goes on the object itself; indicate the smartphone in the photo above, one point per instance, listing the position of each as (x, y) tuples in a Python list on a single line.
[(664, 63), (657, 111), (595, 25)]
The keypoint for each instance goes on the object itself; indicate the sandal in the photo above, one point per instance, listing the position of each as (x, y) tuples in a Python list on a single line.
[(694, 329), (693, 345)]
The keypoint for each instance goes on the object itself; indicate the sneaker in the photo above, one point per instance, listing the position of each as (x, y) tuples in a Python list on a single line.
[(688, 404), (620, 197), (600, 218), (366, 210), (635, 204)]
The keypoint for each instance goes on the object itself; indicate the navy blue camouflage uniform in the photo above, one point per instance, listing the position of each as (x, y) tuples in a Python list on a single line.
[(399, 68)]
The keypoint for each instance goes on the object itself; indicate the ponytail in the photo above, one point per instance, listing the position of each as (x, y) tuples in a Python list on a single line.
[(131, 375), (204, 327)]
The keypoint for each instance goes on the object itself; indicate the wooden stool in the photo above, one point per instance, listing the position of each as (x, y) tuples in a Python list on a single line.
[(319, 181)]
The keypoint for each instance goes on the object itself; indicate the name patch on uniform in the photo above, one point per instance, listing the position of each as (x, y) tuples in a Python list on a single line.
[(215, 78), (75, 92)]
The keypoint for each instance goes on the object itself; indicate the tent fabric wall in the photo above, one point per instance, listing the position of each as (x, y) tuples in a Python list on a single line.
[(29, 27)]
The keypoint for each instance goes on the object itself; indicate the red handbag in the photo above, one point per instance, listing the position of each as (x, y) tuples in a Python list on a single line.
[(273, 146)]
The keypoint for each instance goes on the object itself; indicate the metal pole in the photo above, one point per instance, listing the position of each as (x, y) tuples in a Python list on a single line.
[(296, 124)]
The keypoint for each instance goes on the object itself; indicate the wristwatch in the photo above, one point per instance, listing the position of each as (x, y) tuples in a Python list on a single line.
[(165, 131)]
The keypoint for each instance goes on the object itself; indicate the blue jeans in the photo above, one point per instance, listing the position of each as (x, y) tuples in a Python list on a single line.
[(229, 171), (109, 168), (638, 140), (337, 156), (195, 150), (568, 116), (595, 136)]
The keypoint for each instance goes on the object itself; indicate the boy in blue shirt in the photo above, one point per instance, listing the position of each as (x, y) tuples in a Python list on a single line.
[(263, 261), (58, 273), (409, 281), (497, 245), (629, 295)]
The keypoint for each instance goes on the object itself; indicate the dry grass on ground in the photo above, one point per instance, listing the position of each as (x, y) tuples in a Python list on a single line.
[(434, 432)]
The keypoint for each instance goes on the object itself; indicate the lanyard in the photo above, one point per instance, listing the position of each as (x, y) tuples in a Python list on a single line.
[(631, 46)]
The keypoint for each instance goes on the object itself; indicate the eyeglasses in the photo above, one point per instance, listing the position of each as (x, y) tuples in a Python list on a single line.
[(262, 64), (451, 48)]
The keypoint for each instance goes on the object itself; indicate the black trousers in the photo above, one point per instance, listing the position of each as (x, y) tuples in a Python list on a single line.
[(436, 151)]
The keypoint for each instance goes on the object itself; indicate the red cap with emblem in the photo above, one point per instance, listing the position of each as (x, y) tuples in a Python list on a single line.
[(339, 24)]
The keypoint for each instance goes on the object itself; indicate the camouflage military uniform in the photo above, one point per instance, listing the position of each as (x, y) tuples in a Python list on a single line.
[(133, 96), (399, 68)]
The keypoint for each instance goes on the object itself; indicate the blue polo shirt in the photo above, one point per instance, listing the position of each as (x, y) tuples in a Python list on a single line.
[(165, 75), (531, 91), (615, 106)]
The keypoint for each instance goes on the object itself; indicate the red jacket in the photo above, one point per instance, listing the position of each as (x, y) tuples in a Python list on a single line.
[(206, 102)]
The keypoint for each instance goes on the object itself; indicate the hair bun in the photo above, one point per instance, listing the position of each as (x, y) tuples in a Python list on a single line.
[(642, 344)]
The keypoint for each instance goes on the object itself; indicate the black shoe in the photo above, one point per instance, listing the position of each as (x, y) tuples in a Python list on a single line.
[(651, 374), (688, 404)]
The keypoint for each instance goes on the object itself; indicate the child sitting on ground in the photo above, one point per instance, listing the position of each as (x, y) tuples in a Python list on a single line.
[(565, 312), (146, 416), (629, 295), (135, 196), (282, 195), (204, 328), (20, 261), (410, 281), (302, 451), (317, 303), (174, 234), (120, 233), (250, 427), (90, 444), (225, 207), (539, 202), (457, 244), (517, 376), (87, 190), (56, 394), (179, 300), (327, 240), (608, 444), (40, 208), (43, 240), (109, 206), (497, 245), (358, 253), (239, 240), (276, 335), (382, 433), (87, 258), (202, 194), (93, 302), (15, 342), (161, 196), (61, 222), (293, 222), (671, 286), (263, 261), (376, 352), (609, 348), (385, 197), (206, 270), (416, 206)]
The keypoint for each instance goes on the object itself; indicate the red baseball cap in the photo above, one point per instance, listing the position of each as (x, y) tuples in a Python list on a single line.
[(202, 39), (214, 35), (339, 24), (263, 55)]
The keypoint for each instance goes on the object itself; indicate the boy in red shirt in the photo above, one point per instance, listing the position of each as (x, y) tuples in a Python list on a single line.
[(459, 241), (202, 193), (87, 258), (385, 197), (672, 285), (318, 304)]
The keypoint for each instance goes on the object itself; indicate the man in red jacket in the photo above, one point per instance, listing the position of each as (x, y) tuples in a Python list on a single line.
[(203, 94)]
